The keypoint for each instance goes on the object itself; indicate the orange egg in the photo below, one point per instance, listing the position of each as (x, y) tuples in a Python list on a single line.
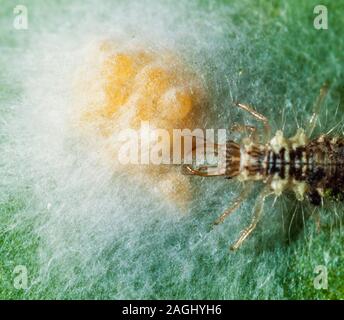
[(117, 88)]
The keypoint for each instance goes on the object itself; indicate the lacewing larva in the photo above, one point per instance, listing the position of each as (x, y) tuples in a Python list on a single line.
[(312, 168)]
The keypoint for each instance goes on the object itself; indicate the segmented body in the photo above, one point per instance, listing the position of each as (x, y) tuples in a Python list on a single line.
[(310, 168)]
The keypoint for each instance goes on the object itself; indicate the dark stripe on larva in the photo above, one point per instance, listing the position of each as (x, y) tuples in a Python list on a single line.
[(275, 163), (282, 165), (297, 164)]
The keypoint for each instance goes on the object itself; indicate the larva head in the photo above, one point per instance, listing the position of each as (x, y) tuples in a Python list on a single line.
[(218, 160), (232, 159)]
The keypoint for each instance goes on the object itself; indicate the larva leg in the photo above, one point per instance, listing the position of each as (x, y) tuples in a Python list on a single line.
[(258, 210), (236, 203), (317, 219), (316, 109), (259, 117)]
